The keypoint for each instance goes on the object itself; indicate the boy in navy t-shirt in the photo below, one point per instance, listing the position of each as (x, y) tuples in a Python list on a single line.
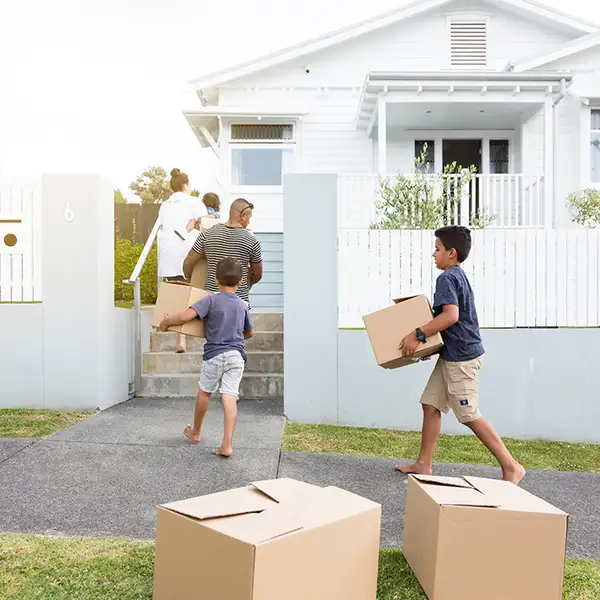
[(227, 324), (453, 382)]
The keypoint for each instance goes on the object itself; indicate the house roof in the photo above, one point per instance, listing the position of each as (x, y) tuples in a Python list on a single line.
[(579, 45), (372, 24)]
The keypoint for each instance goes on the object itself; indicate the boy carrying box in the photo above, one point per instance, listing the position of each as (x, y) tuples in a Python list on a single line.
[(227, 324), (453, 382)]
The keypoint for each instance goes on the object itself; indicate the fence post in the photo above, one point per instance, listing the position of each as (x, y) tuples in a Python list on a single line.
[(311, 297)]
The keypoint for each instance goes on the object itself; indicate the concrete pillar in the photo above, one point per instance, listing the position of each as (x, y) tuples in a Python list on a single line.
[(311, 298), (79, 318)]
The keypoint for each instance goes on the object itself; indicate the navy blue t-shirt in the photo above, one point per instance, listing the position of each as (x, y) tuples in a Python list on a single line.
[(226, 317), (462, 341)]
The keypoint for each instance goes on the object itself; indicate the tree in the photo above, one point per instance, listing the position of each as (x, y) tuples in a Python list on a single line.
[(195, 193), (119, 198), (152, 186)]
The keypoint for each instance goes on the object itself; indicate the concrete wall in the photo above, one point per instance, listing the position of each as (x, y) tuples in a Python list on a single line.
[(21, 356), (73, 350), (535, 383)]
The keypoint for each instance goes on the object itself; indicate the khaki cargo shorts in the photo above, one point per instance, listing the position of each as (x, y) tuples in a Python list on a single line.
[(453, 385)]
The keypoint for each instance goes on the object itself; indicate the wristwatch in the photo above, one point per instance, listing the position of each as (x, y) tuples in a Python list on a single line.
[(420, 335)]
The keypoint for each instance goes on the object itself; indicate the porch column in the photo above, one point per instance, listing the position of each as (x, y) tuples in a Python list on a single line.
[(381, 136), (548, 164)]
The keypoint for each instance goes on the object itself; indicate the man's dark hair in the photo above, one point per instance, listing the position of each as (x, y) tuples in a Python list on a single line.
[(456, 237), (229, 272)]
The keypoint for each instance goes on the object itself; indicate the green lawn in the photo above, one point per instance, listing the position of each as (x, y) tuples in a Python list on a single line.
[(464, 449), (39, 568), (36, 424)]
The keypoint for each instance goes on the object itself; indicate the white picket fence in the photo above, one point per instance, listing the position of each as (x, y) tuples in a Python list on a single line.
[(20, 242), (521, 277), (510, 200)]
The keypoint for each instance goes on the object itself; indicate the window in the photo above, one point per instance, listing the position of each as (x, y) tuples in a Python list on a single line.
[(499, 157), (468, 42), (259, 166), (595, 146), (425, 148), (260, 153)]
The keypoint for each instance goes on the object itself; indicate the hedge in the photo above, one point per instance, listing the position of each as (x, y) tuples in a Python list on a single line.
[(126, 257)]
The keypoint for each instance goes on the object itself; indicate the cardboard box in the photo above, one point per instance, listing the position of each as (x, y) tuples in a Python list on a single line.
[(269, 541), (174, 298), (388, 327), (474, 539), (198, 278)]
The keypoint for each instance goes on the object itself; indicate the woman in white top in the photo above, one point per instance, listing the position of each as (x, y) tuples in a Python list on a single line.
[(178, 217)]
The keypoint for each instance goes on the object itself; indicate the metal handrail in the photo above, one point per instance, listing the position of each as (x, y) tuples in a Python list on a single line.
[(145, 252), (134, 280)]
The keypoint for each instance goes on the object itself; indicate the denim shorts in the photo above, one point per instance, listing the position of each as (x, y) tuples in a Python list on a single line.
[(226, 369)]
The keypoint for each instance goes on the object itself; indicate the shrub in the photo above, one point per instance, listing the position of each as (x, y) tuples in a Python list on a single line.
[(126, 257), (584, 207), (423, 200)]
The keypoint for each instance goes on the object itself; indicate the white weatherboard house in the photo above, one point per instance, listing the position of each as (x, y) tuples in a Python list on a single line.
[(508, 86)]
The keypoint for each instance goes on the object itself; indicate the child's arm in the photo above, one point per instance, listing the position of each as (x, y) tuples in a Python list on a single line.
[(445, 319), (179, 319), (446, 297), (449, 315), (248, 326)]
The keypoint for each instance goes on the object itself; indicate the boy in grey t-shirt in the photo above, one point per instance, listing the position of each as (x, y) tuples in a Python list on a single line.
[(227, 324)]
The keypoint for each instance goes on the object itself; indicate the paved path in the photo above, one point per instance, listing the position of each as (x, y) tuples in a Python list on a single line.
[(105, 476)]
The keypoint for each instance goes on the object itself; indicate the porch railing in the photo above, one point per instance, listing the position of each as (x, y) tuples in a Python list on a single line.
[(510, 200)]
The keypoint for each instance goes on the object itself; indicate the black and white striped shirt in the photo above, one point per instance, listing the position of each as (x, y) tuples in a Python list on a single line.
[(221, 241)]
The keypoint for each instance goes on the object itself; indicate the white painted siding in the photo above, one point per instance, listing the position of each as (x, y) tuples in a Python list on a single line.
[(567, 156), (417, 44), (533, 144)]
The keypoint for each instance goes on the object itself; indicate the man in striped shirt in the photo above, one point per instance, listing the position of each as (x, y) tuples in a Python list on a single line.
[(229, 240)]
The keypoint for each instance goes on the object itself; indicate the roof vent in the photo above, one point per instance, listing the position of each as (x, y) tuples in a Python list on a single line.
[(468, 42)]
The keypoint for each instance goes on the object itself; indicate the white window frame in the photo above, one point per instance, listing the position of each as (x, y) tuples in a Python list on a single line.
[(247, 144), (593, 184), (485, 135), (475, 17)]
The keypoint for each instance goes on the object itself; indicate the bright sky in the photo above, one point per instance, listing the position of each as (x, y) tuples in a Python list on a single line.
[(96, 86)]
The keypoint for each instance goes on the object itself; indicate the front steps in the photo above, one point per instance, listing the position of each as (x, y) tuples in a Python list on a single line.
[(167, 374)]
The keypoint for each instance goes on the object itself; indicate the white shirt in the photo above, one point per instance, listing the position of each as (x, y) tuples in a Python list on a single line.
[(174, 214)]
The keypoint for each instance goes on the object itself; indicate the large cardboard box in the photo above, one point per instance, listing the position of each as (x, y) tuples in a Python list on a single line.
[(273, 540), (388, 327), (174, 298), (474, 539)]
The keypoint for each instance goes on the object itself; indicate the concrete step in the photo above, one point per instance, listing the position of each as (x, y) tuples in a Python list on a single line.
[(272, 321), (264, 386), (191, 362), (262, 340)]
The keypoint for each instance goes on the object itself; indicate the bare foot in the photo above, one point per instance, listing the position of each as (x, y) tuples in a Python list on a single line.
[(190, 435), (180, 349), (224, 452), (515, 474), (416, 469)]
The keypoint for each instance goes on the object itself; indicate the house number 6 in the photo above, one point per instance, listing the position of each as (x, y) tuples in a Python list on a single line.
[(69, 216)]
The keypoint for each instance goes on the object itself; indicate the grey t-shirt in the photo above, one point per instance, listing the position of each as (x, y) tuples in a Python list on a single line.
[(462, 341), (226, 318)]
